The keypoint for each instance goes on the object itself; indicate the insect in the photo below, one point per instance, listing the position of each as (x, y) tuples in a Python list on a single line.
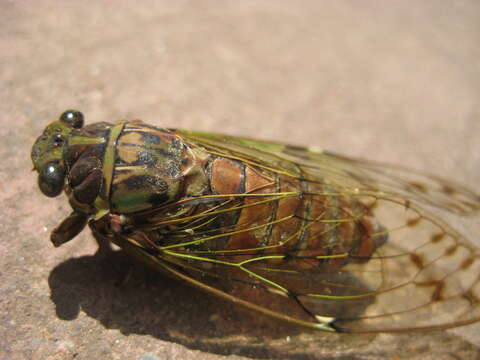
[(312, 238)]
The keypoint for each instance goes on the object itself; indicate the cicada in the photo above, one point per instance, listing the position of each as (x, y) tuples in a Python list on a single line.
[(308, 237)]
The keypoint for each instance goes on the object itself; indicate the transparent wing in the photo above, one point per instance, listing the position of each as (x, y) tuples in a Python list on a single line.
[(344, 172), (423, 275)]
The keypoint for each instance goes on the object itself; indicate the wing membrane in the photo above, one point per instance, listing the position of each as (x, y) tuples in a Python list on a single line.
[(423, 274), (347, 173)]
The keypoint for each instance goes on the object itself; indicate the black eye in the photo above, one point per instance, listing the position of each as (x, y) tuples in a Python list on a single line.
[(51, 179), (72, 118)]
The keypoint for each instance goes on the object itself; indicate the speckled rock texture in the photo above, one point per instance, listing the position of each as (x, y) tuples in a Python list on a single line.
[(394, 81)]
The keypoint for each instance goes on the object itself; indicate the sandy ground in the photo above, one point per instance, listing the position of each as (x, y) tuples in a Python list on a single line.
[(386, 80)]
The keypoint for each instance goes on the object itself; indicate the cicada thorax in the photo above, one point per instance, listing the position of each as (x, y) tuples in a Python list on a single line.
[(152, 168), (128, 167)]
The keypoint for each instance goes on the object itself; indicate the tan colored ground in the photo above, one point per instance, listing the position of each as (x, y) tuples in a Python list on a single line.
[(388, 80)]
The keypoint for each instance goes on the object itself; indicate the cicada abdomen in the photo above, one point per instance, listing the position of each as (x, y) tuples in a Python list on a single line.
[(308, 237)]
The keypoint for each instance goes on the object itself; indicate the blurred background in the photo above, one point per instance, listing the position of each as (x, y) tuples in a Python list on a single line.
[(388, 80)]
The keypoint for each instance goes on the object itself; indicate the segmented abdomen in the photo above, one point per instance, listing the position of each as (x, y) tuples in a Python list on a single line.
[(302, 220)]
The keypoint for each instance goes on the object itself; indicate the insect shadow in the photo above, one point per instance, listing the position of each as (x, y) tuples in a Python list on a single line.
[(122, 294)]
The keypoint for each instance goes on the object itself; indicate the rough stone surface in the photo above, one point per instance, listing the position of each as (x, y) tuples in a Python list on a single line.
[(392, 81)]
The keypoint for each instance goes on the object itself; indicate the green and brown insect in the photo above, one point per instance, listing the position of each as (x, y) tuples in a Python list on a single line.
[(312, 238)]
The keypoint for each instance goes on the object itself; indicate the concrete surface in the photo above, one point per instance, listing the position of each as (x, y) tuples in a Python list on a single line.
[(391, 80)]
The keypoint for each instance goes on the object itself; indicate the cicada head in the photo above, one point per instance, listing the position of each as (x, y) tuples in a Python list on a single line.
[(47, 152)]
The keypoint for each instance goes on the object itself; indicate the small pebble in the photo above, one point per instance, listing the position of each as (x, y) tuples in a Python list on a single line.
[(148, 357)]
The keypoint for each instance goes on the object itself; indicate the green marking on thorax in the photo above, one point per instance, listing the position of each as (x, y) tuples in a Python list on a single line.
[(102, 205), (83, 140)]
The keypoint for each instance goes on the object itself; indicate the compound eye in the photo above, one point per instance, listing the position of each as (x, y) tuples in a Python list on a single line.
[(51, 179), (72, 118)]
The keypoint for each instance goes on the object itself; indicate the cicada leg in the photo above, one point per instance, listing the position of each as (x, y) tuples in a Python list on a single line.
[(68, 228), (102, 231), (84, 180)]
